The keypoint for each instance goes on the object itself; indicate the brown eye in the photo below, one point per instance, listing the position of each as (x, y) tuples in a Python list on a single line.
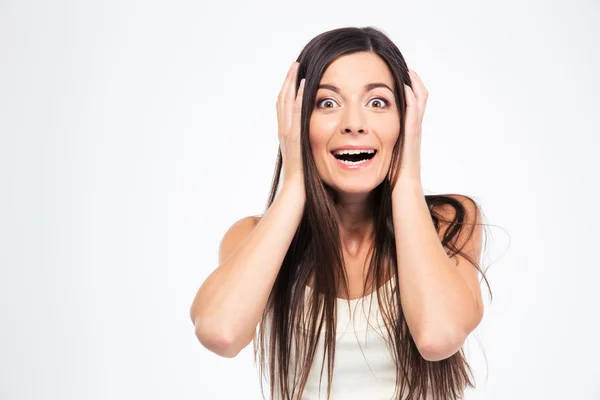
[(379, 99), (326, 100)]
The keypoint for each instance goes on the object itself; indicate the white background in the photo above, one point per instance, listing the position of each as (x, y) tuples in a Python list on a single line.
[(133, 134)]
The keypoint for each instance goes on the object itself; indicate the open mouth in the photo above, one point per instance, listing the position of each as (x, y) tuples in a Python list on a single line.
[(354, 157)]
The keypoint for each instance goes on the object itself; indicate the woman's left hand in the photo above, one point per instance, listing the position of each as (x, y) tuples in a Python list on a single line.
[(416, 100)]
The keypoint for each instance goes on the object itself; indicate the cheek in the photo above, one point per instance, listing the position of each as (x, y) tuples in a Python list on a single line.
[(317, 149), (393, 137), (389, 133), (319, 136)]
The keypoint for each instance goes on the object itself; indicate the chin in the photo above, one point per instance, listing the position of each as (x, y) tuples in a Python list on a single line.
[(357, 189)]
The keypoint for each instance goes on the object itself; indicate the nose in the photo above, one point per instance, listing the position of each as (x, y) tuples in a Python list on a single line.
[(350, 130), (353, 122)]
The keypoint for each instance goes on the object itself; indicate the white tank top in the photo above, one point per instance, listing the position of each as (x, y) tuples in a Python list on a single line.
[(364, 367)]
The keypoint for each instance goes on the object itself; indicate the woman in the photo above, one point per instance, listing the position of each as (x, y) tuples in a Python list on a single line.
[(347, 222)]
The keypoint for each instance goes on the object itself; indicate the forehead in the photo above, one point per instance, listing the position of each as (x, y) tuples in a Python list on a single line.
[(353, 71)]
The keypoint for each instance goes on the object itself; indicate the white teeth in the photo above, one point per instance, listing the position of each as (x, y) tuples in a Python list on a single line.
[(371, 151), (353, 162)]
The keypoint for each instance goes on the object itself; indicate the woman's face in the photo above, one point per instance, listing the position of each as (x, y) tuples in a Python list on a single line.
[(350, 111)]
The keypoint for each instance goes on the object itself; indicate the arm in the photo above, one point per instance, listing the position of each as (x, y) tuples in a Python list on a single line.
[(440, 297), (230, 303)]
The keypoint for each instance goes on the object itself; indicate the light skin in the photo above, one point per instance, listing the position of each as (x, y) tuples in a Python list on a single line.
[(441, 297), (353, 115)]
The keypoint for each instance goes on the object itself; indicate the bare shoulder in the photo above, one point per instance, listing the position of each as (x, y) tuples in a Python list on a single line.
[(448, 211), (235, 235), (471, 219)]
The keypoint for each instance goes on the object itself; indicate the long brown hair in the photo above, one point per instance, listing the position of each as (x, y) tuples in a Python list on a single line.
[(315, 253)]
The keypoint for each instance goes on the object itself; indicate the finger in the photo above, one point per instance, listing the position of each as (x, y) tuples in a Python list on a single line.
[(412, 109), (281, 100), (290, 95), (300, 91), (298, 105), (285, 85), (419, 89), (420, 93)]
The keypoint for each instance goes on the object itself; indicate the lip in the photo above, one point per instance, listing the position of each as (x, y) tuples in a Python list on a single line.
[(354, 167), (353, 147)]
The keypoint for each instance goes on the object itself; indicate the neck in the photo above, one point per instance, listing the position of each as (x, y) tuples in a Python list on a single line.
[(355, 212)]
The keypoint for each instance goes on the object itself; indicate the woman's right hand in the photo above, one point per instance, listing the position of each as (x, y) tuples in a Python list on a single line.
[(289, 107)]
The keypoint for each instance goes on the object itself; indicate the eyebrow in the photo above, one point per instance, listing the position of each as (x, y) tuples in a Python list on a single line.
[(368, 87)]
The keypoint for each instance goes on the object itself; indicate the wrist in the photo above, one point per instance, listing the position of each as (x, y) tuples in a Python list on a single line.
[(408, 184), (294, 188)]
